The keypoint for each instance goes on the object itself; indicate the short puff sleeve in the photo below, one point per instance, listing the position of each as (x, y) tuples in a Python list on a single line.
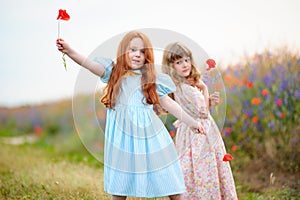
[(107, 63), (164, 85)]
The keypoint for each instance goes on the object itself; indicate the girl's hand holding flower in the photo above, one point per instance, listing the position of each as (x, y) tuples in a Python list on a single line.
[(62, 46), (214, 99)]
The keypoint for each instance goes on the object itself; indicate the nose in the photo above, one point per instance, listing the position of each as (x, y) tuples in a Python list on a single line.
[(138, 53), (185, 63)]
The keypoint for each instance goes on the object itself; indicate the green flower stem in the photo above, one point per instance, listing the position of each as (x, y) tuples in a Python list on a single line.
[(64, 61)]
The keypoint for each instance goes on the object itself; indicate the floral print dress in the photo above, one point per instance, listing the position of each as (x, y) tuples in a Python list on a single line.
[(206, 175)]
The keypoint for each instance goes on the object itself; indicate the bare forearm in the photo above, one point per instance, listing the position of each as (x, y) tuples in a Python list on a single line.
[(203, 87), (65, 48), (174, 108), (94, 67), (206, 96)]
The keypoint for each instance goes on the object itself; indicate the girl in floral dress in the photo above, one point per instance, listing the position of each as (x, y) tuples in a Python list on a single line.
[(206, 175), (140, 158)]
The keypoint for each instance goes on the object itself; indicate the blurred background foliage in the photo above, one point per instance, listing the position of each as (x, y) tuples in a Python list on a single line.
[(261, 128)]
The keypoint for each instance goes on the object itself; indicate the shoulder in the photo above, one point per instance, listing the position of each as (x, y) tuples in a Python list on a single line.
[(164, 85), (164, 80), (105, 62), (108, 64), (163, 77), (187, 87)]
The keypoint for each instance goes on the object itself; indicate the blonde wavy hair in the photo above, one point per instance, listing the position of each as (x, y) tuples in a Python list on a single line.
[(172, 53)]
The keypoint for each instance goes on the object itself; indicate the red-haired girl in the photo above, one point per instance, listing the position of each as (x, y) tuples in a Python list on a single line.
[(140, 158)]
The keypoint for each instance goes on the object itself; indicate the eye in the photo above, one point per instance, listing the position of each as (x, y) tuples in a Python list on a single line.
[(178, 62), (187, 60), (143, 51), (133, 49)]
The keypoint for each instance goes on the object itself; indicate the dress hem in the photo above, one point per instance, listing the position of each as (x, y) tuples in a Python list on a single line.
[(146, 196)]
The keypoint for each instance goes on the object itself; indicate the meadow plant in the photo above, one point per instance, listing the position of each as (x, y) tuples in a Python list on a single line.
[(263, 108)]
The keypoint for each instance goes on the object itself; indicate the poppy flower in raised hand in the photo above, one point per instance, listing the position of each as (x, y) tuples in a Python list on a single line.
[(211, 64), (63, 15), (227, 157)]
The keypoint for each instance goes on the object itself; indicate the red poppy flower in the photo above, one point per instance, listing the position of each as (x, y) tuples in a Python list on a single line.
[(38, 130), (234, 148), (211, 64), (255, 101), (63, 15), (279, 102), (227, 157), (227, 78), (228, 130), (265, 92), (249, 84), (254, 119), (172, 133)]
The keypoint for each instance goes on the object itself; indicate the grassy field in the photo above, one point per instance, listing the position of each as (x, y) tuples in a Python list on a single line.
[(28, 172), (35, 172), (39, 172)]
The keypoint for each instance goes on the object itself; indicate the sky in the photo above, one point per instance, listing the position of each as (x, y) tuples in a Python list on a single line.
[(31, 68)]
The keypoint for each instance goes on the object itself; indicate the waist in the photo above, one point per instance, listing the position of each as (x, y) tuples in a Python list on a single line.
[(141, 106)]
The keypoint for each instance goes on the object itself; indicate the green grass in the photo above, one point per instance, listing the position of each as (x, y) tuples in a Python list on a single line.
[(36, 172), (40, 172), (27, 172)]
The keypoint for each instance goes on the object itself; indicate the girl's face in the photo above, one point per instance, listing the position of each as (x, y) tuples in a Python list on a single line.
[(136, 53), (183, 66)]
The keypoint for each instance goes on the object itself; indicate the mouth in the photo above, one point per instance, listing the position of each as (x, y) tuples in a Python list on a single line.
[(185, 71), (135, 61)]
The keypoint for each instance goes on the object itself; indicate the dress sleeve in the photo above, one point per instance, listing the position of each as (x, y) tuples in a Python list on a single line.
[(164, 85), (193, 99), (107, 63)]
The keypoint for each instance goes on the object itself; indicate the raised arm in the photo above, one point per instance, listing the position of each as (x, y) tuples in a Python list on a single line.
[(210, 99), (83, 61), (174, 108), (203, 87)]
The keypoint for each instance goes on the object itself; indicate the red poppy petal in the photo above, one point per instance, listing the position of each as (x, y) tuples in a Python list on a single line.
[(211, 63), (227, 157), (59, 14), (66, 16), (63, 15)]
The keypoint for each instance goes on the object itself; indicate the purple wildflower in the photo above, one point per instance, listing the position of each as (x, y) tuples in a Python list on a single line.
[(271, 124), (297, 94)]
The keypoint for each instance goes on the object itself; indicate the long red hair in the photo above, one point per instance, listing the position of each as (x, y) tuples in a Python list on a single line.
[(148, 80)]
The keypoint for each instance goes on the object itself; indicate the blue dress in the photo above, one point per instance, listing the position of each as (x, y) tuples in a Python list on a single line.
[(140, 159)]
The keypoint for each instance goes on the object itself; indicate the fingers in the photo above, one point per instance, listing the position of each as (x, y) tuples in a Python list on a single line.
[(214, 98), (59, 40), (59, 44), (216, 95), (60, 47), (214, 102), (200, 131)]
